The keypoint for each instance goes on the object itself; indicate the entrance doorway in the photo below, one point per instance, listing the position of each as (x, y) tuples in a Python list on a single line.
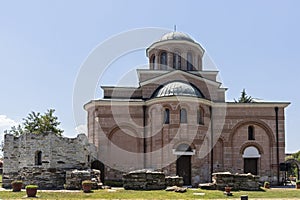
[(250, 166), (183, 163), (183, 168), (99, 166), (251, 157)]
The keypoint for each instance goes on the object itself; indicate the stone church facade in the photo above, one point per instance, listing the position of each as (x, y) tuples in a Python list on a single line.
[(177, 121)]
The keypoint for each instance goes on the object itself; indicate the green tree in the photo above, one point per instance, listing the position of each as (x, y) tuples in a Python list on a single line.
[(294, 169), (37, 123), (244, 98)]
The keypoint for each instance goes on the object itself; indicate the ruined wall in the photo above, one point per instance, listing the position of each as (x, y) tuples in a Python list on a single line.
[(42, 159)]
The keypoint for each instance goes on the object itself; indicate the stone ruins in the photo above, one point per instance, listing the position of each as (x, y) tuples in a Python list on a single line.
[(44, 159), (246, 182), (149, 180)]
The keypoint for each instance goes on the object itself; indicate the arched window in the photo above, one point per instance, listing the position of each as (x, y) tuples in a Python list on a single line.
[(251, 133), (183, 116), (176, 60), (189, 62), (163, 60), (199, 63), (153, 62), (38, 158), (200, 116), (167, 116)]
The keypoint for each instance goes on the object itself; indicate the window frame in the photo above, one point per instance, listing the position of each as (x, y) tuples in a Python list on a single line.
[(183, 116), (251, 134), (163, 64), (189, 61), (176, 60), (38, 158), (200, 116), (167, 116)]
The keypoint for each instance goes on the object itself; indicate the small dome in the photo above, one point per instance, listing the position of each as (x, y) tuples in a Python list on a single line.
[(176, 36), (178, 89)]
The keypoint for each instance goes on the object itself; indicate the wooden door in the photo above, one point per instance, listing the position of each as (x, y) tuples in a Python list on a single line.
[(183, 167), (250, 166)]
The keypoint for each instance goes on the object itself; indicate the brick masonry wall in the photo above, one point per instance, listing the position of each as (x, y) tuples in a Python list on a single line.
[(230, 127)]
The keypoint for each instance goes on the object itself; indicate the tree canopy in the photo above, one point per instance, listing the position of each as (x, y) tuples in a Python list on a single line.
[(244, 98), (37, 123), (295, 156)]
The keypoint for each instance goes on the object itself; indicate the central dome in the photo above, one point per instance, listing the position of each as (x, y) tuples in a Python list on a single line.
[(176, 36), (178, 89)]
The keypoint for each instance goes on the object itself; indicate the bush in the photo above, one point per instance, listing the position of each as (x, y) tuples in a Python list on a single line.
[(267, 184), (31, 187), (86, 182), (298, 182), (17, 182)]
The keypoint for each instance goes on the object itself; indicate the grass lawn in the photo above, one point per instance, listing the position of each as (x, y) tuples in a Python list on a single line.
[(161, 194)]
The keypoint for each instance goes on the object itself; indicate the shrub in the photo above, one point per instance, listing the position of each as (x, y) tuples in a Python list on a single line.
[(31, 187), (266, 184), (17, 182), (86, 182)]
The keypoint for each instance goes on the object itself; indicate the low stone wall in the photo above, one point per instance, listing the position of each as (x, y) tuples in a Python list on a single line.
[(53, 178), (44, 178), (74, 178), (236, 181), (144, 180), (174, 181)]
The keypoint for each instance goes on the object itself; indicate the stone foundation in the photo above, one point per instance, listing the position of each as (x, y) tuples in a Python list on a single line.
[(44, 178), (236, 181), (174, 181), (144, 180), (74, 179)]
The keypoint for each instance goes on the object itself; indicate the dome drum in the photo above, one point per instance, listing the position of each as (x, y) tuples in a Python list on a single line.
[(175, 50)]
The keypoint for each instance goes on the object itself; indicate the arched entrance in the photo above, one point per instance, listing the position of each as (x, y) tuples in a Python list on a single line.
[(96, 164), (183, 164), (251, 156)]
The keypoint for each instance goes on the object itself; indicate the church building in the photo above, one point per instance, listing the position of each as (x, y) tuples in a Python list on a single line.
[(178, 121)]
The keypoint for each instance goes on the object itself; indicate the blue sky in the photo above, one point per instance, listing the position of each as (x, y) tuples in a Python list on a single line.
[(254, 44)]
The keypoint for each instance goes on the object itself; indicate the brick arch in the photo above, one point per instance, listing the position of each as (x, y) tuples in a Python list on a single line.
[(222, 139), (120, 127), (253, 144), (166, 105), (257, 122), (129, 141), (191, 144)]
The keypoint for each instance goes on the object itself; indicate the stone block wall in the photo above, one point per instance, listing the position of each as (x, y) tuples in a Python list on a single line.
[(174, 181), (57, 155), (74, 178), (144, 180), (246, 182)]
